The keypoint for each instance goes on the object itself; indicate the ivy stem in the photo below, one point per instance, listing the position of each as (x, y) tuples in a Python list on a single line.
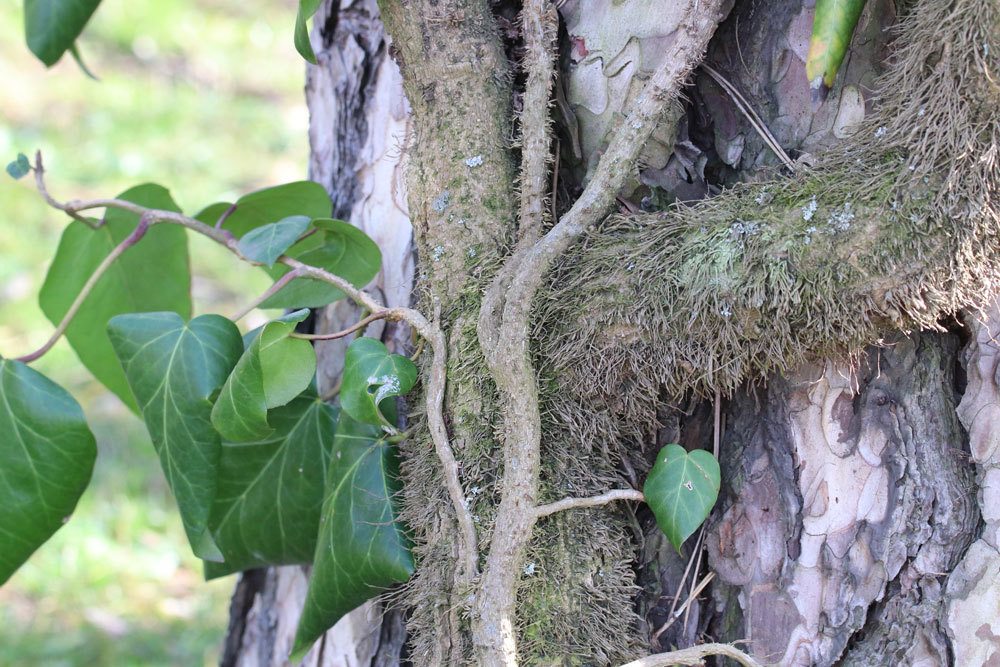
[(278, 285), (140, 230), (360, 324), (593, 501)]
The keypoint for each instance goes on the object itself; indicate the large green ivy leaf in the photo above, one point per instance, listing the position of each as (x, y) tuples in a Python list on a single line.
[(262, 207), (340, 248), (681, 489), (273, 370), (154, 275), (51, 26), (833, 27), (46, 457), (371, 376), (270, 492), (302, 44), (362, 549), (175, 369), (266, 244)]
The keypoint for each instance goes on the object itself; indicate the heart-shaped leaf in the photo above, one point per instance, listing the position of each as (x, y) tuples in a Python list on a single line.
[(362, 549), (371, 376), (47, 454), (19, 167), (154, 275), (273, 370), (269, 495), (262, 207), (51, 26), (302, 44), (681, 489), (266, 244), (340, 248), (175, 369)]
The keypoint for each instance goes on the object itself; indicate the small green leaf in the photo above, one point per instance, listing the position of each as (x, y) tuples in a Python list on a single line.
[(833, 27), (47, 455), (266, 244), (681, 489), (302, 44), (19, 167), (263, 207), (154, 275), (371, 376), (51, 26), (273, 370), (175, 369), (340, 248), (362, 549), (267, 507)]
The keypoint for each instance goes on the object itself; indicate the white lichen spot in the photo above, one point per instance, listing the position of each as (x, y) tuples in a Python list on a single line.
[(474, 161), (437, 252), (921, 111), (637, 125), (441, 202), (809, 210), (840, 220), (726, 311), (475, 519), (475, 491), (880, 132), (472, 253), (764, 197), (529, 569)]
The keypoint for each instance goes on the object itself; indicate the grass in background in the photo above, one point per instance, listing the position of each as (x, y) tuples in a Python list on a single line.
[(204, 98)]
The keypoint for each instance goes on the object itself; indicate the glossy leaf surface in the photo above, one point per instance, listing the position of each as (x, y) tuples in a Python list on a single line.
[(175, 369), (362, 550), (269, 494), (272, 371), (266, 244), (153, 275), (52, 26), (681, 489), (302, 44), (47, 455), (372, 375)]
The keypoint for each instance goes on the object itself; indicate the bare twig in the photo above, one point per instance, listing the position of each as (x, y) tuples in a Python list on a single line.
[(360, 324), (593, 501), (225, 216), (687, 603), (102, 268), (694, 656), (278, 285)]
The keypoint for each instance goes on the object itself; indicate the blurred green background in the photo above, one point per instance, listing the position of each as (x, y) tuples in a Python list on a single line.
[(206, 99)]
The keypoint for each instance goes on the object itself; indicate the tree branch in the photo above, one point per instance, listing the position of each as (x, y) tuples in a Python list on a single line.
[(278, 285), (593, 501), (694, 656), (360, 324)]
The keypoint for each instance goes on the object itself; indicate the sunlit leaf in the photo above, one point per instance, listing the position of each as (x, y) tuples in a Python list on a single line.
[(175, 369), (372, 376), (270, 491), (51, 26), (47, 455), (681, 489), (154, 275), (266, 244), (362, 549), (268, 205), (273, 370), (302, 44), (833, 27)]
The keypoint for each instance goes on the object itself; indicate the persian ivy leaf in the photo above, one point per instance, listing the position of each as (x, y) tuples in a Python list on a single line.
[(266, 244), (51, 26), (268, 205), (681, 489), (362, 549), (833, 27), (302, 44), (47, 455), (372, 375), (154, 275), (175, 369), (273, 370), (19, 167), (270, 491), (340, 248)]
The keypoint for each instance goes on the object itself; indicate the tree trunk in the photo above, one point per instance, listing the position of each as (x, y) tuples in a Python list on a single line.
[(858, 519)]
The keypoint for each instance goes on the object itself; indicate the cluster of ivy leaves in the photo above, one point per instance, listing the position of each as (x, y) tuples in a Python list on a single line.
[(264, 472)]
